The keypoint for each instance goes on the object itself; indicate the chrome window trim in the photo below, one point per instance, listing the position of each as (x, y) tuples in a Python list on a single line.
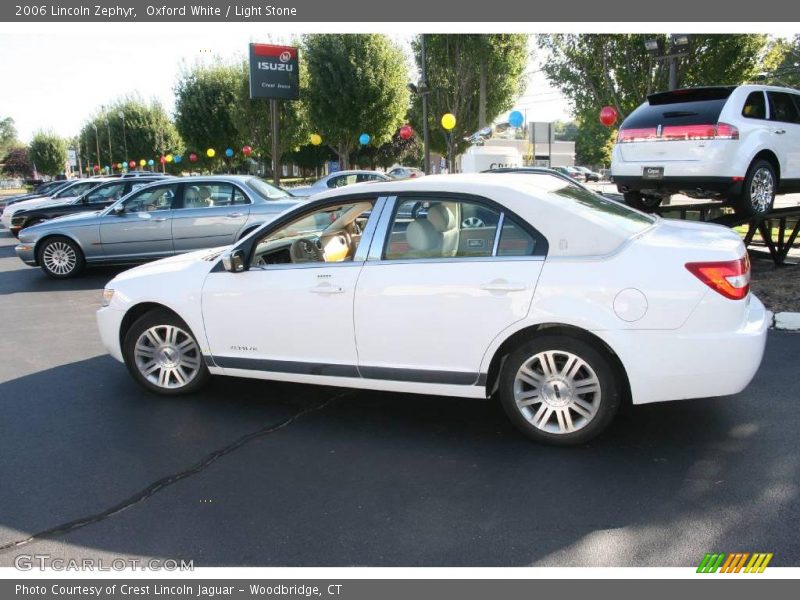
[(500, 222), (457, 259)]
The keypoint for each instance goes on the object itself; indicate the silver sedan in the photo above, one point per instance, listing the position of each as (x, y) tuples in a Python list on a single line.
[(155, 221)]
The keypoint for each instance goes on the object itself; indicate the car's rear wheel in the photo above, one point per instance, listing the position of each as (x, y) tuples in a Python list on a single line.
[(163, 355), (758, 190), (559, 389), (61, 258), (643, 202)]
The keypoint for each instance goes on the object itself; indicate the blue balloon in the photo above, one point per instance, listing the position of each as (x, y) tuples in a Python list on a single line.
[(229, 152), (177, 158), (515, 119), (363, 139), (151, 162)]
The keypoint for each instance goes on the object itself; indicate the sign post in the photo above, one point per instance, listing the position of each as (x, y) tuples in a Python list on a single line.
[(275, 75)]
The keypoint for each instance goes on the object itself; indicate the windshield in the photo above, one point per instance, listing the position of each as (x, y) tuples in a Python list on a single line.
[(265, 190), (76, 189)]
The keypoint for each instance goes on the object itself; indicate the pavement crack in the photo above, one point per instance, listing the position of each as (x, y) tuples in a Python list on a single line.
[(167, 481)]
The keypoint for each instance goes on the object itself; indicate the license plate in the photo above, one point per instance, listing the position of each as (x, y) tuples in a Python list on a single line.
[(653, 172)]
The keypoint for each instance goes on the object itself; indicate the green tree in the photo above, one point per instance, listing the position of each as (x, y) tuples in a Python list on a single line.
[(454, 65), (206, 99), (8, 135), (782, 62), (565, 131), (594, 70), (593, 143), (356, 84), (16, 162), (48, 153), (135, 129)]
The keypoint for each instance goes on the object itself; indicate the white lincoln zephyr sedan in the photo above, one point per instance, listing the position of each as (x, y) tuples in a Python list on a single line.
[(561, 303)]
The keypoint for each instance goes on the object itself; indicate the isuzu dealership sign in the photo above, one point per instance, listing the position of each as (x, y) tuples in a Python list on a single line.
[(274, 72)]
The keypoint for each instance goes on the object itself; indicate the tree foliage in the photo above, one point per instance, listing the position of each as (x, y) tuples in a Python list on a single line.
[(16, 162), (48, 153), (8, 135), (782, 62), (148, 133), (356, 84), (453, 74)]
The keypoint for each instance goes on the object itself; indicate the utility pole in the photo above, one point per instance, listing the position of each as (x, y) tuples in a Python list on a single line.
[(97, 143), (423, 84), (108, 125), (124, 137), (673, 73), (276, 158)]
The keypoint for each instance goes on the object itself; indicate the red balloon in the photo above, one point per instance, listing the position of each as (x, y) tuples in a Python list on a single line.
[(163, 159), (132, 164), (608, 115), (406, 132), (97, 167), (193, 157), (247, 150)]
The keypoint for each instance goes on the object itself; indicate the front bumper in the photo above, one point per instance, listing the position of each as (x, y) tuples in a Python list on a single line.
[(109, 320), (27, 253), (692, 363)]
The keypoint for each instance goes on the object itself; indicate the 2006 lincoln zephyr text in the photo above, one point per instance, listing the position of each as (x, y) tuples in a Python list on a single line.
[(558, 301)]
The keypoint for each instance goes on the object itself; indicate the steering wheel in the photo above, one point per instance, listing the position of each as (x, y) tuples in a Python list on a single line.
[(306, 250)]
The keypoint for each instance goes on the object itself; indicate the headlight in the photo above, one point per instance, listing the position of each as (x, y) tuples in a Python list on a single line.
[(108, 294)]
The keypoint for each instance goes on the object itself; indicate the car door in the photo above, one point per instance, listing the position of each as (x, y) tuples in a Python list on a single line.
[(142, 227), (785, 121), (437, 290), (283, 316), (211, 213)]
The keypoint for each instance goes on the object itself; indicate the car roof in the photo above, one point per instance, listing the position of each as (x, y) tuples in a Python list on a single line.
[(355, 172)]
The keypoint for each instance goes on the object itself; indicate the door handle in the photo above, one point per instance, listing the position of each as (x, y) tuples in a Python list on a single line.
[(327, 289), (160, 219), (779, 131), (235, 215), (500, 285)]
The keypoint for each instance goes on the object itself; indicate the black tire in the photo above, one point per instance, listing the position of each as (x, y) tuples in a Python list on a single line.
[(642, 202), (60, 257), (605, 405), (748, 201), (163, 319)]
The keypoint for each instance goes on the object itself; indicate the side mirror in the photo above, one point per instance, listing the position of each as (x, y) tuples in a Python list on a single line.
[(234, 261)]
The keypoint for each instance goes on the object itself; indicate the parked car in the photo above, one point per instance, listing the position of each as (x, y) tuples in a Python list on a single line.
[(39, 191), (571, 172), (588, 174), (730, 143), (69, 192), (405, 173), (160, 219), (337, 180), (568, 306), (103, 196)]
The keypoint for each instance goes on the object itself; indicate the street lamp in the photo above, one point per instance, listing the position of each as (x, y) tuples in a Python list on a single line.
[(108, 128), (124, 138), (97, 142), (678, 46)]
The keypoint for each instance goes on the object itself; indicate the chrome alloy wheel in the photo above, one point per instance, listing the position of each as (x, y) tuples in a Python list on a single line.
[(762, 190), (59, 258), (167, 356), (557, 392), (472, 223)]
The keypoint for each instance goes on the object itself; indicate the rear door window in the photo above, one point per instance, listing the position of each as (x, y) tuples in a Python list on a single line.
[(755, 107), (782, 108)]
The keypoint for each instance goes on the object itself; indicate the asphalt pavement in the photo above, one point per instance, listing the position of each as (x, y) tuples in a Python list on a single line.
[(252, 473)]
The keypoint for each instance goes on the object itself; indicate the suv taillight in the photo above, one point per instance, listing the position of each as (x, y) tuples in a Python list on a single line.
[(731, 278), (674, 133)]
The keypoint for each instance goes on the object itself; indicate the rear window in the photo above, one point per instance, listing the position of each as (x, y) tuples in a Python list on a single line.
[(702, 112)]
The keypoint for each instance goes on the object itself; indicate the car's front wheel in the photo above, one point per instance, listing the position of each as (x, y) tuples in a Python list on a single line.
[(61, 258), (643, 202), (163, 355), (559, 389)]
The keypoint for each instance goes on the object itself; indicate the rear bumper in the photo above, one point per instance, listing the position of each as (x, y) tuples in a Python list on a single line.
[(676, 365), (725, 186)]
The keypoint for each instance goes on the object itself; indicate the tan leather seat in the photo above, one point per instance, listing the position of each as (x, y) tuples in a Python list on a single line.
[(444, 222)]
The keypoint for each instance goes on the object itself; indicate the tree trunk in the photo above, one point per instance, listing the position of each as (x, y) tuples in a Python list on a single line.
[(482, 95)]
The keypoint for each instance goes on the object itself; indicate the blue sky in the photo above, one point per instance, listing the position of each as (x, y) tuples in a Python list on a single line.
[(54, 76)]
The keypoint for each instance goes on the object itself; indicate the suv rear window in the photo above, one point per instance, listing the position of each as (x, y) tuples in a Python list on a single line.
[(700, 106)]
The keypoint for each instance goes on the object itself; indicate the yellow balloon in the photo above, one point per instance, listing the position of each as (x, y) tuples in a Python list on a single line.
[(448, 121), (142, 162), (169, 157), (316, 139), (210, 153)]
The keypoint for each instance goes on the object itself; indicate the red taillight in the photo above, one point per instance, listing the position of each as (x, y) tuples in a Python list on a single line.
[(731, 278), (673, 133)]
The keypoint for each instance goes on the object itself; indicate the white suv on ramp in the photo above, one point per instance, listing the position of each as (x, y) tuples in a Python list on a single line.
[(739, 144)]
